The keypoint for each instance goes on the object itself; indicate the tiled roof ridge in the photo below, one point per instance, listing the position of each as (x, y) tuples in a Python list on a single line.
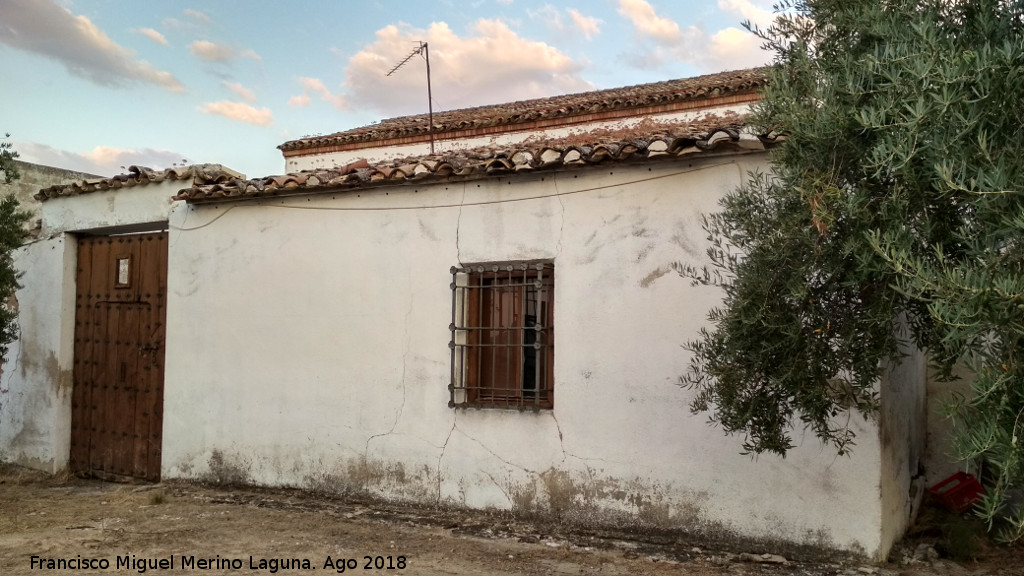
[(716, 135), (140, 175), (563, 106)]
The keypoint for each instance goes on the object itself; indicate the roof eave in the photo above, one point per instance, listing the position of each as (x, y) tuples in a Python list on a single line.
[(436, 171), (510, 117)]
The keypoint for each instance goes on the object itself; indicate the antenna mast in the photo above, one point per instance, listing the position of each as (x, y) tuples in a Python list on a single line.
[(423, 50)]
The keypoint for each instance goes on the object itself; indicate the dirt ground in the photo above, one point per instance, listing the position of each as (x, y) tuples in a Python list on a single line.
[(104, 528)]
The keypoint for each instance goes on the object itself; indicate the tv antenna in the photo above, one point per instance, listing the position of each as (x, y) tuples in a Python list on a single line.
[(425, 52)]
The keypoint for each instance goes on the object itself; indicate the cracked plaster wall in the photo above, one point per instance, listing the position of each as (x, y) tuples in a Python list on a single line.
[(307, 346), (35, 385)]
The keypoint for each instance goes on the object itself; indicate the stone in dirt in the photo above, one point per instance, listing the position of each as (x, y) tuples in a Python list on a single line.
[(763, 558), (925, 553)]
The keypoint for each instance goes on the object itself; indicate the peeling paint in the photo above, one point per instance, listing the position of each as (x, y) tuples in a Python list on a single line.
[(561, 492), (185, 466), (364, 477), (227, 471), (35, 390), (585, 500), (596, 501), (29, 438)]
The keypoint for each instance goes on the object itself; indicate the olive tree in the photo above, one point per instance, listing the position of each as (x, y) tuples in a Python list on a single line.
[(893, 216), (12, 233)]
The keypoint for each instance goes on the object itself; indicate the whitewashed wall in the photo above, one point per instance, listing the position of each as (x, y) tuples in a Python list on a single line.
[(35, 382), (307, 345), (902, 436), (127, 208)]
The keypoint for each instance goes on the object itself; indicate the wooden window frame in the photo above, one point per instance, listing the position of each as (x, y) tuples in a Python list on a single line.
[(502, 335)]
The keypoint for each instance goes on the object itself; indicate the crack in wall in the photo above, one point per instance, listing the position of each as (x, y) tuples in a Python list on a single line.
[(566, 453), (17, 362), (561, 226), (455, 421), (561, 437), (458, 226), (4, 372), (407, 435), (498, 485), (493, 453), (561, 443), (592, 459), (405, 384)]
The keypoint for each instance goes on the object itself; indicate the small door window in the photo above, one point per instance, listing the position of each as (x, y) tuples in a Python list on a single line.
[(124, 273)]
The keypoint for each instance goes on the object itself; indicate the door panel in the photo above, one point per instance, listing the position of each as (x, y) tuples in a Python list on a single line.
[(117, 400)]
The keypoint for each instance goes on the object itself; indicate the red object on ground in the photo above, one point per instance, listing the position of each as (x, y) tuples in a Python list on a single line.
[(958, 492)]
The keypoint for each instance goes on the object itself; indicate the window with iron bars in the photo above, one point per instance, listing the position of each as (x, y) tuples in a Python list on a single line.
[(502, 335)]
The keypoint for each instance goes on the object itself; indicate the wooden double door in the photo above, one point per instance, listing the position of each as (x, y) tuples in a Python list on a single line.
[(120, 317)]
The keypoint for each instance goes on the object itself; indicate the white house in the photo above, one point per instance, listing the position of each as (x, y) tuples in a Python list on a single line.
[(494, 325)]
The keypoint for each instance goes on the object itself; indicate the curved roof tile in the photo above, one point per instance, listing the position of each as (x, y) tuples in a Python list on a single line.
[(141, 175), (712, 134)]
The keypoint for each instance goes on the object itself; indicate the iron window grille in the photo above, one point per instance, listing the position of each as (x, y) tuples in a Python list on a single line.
[(502, 335)]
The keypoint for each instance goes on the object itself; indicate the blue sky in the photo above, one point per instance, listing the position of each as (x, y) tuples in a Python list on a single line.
[(94, 85)]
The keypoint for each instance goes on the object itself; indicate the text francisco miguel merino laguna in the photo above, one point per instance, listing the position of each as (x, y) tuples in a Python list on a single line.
[(185, 562)]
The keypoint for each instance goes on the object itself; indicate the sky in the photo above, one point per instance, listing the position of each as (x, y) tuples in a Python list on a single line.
[(100, 85)]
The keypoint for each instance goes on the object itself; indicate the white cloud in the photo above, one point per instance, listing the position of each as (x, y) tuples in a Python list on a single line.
[(588, 26), (491, 64), (197, 16), (300, 101), (239, 111), (316, 86), (153, 35), (242, 92), (733, 48), (749, 10), (210, 52), (506, 2), (101, 160), (45, 28), (549, 16), (726, 49), (194, 22), (213, 52), (648, 23)]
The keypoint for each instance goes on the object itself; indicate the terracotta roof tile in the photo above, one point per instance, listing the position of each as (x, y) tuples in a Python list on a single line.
[(648, 141), (564, 108), (140, 175)]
